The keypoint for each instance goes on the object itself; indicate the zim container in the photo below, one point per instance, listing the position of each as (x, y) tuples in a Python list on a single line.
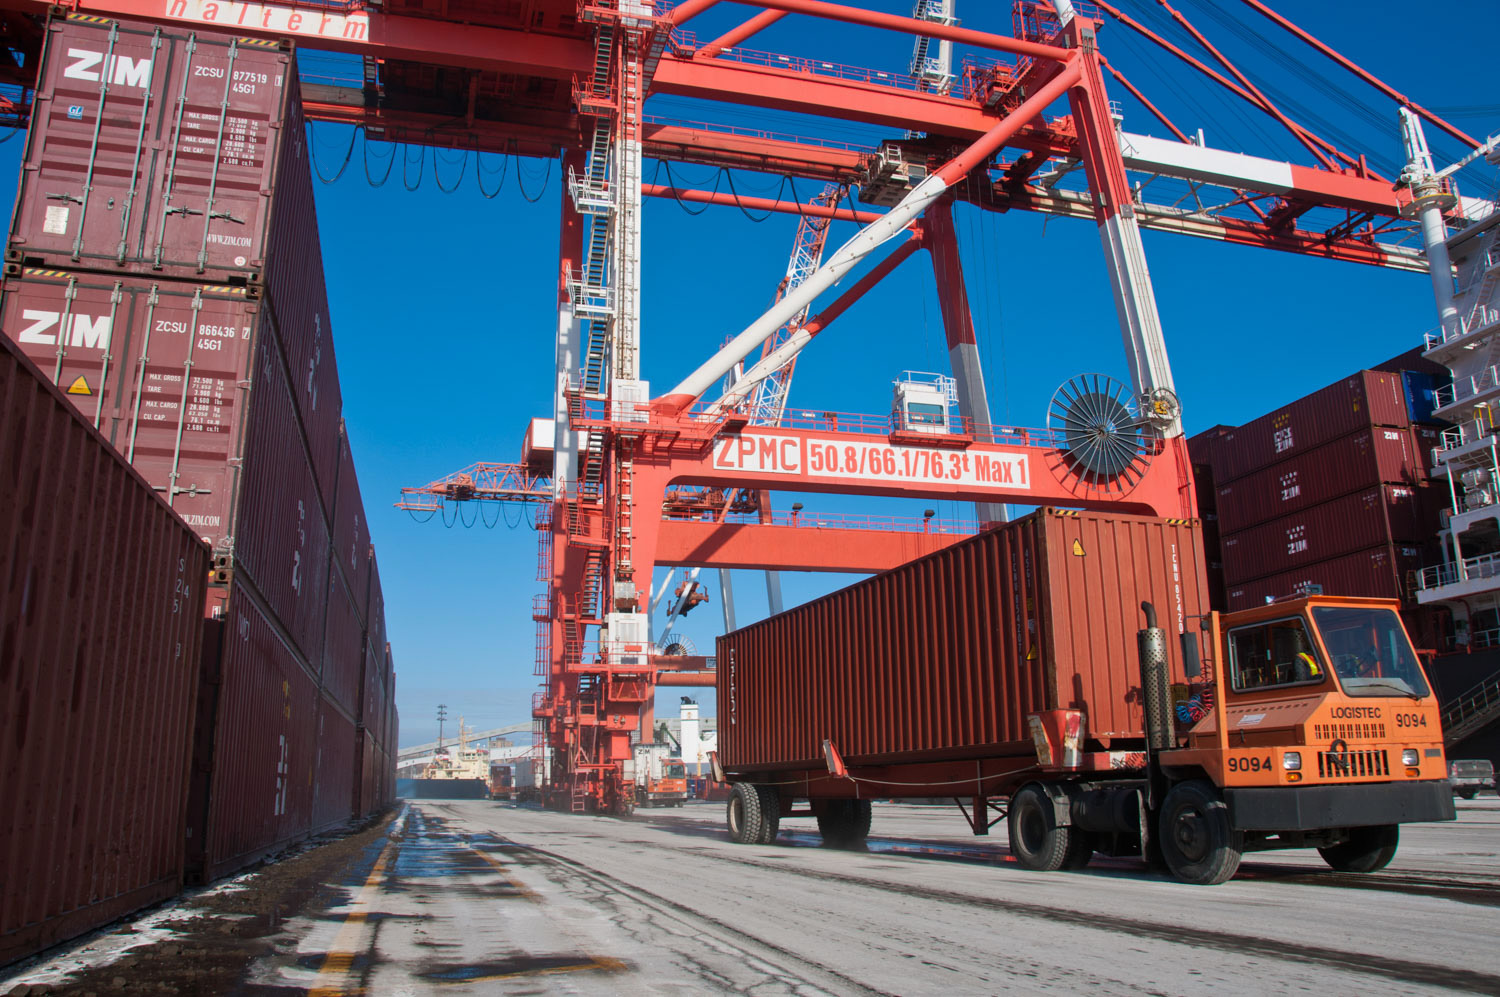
[(1351, 463), (945, 658), (260, 776), (100, 588), (351, 530), (1360, 401), (1382, 572), (156, 151), (343, 648), (1370, 517)]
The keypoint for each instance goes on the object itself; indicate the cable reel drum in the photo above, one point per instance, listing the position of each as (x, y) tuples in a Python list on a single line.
[(1107, 434)]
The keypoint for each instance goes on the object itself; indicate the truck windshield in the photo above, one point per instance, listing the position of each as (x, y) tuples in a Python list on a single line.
[(1370, 651), (676, 771)]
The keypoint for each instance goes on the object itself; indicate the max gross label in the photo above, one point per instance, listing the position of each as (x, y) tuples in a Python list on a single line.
[(836, 457)]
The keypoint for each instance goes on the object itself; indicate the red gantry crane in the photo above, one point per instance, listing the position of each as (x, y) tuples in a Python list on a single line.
[(631, 481)]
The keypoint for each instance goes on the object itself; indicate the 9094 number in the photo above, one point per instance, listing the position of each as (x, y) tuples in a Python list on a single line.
[(1411, 720), (1249, 763)]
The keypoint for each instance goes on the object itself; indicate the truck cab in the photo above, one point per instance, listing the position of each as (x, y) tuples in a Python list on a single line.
[(1328, 736), (660, 780)]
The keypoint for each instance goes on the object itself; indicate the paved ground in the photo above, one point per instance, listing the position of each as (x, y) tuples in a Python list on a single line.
[(486, 898)]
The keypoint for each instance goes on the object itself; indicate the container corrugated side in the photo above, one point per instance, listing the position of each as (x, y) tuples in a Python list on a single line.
[(351, 530), (1370, 517), (153, 150), (375, 614), (945, 657), (336, 769), (372, 695), (343, 648), (260, 794), (1360, 401), (369, 782), (1312, 477), (282, 539), (99, 641), (1382, 572)]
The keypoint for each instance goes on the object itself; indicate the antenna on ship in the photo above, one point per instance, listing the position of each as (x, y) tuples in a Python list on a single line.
[(442, 715)]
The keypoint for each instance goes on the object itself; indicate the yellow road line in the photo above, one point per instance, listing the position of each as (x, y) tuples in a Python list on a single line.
[(523, 890), (341, 954)]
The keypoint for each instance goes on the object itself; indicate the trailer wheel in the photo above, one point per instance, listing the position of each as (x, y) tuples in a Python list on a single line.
[(1467, 794), (1368, 849), (770, 813), (1197, 840), (845, 823), (1036, 841), (743, 814)]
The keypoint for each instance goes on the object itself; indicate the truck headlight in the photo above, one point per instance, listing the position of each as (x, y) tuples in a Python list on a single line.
[(1291, 761), (1410, 756)]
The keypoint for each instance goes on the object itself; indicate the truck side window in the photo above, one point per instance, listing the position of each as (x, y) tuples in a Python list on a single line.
[(1278, 653)]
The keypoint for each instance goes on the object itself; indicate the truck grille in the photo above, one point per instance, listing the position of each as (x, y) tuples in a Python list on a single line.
[(1349, 732), (1353, 764)]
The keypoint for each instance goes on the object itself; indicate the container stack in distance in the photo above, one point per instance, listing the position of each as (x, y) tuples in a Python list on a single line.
[(1330, 490), (163, 269)]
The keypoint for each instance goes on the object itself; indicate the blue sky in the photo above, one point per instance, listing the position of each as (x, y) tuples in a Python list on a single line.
[(444, 309)]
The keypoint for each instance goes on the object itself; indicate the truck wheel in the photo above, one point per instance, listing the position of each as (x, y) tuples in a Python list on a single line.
[(770, 813), (1467, 794), (845, 823), (1367, 850), (1036, 842), (1197, 840), (743, 814)]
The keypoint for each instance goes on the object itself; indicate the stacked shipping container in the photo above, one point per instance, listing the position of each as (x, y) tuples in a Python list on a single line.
[(163, 269), (1328, 491)]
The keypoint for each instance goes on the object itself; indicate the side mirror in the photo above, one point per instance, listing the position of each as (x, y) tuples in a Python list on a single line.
[(1192, 665)]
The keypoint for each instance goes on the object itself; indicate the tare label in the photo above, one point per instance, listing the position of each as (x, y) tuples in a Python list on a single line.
[(822, 457)]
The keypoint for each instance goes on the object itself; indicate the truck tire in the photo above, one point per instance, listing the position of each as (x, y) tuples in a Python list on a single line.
[(1368, 849), (1467, 794), (1036, 841), (770, 813), (845, 823), (1197, 840), (743, 814)]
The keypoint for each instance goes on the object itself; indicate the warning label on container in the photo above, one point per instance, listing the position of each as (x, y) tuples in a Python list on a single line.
[(80, 386), (837, 457)]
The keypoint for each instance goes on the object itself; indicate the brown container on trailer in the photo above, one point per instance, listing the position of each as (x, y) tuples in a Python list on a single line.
[(370, 781), (1312, 477), (334, 772), (1360, 401), (343, 648), (1370, 517), (351, 530), (100, 586), (946, 657), (156, 151), (260, 789), (282, 539), (1381, 573)]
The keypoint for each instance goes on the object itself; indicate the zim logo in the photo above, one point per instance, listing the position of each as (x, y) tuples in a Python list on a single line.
[(89, 331), (123, 70)]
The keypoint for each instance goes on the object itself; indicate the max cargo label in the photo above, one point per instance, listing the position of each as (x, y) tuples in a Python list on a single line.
[(834, 457)]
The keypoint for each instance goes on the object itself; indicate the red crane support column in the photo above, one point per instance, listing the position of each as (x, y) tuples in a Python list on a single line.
[(958, 323)]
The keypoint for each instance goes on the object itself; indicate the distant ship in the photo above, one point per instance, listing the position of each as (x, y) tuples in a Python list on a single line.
[(462, 774)]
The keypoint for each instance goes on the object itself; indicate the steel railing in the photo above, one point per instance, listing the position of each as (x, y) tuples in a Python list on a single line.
[(1476, 384), (1448, 573), (1473, 710)]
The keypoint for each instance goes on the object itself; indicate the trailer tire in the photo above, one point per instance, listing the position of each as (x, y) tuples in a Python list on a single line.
[(1197, 840), (1368, 849), (1467, 794), (845, 823), (743, 814), (1080, 850), (1036, 841), (770, 813)]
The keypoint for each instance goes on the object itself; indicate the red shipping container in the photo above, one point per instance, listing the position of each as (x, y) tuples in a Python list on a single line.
[(1427, 440), (282, 539), (372, 711), (1384, 514), (343, 648), (265, 743), (947, 656), (375, 614), (1360, 401), (351, 530), (336, 768), (1312, 477), (99, 591), (156, 151), (1381, 572)]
